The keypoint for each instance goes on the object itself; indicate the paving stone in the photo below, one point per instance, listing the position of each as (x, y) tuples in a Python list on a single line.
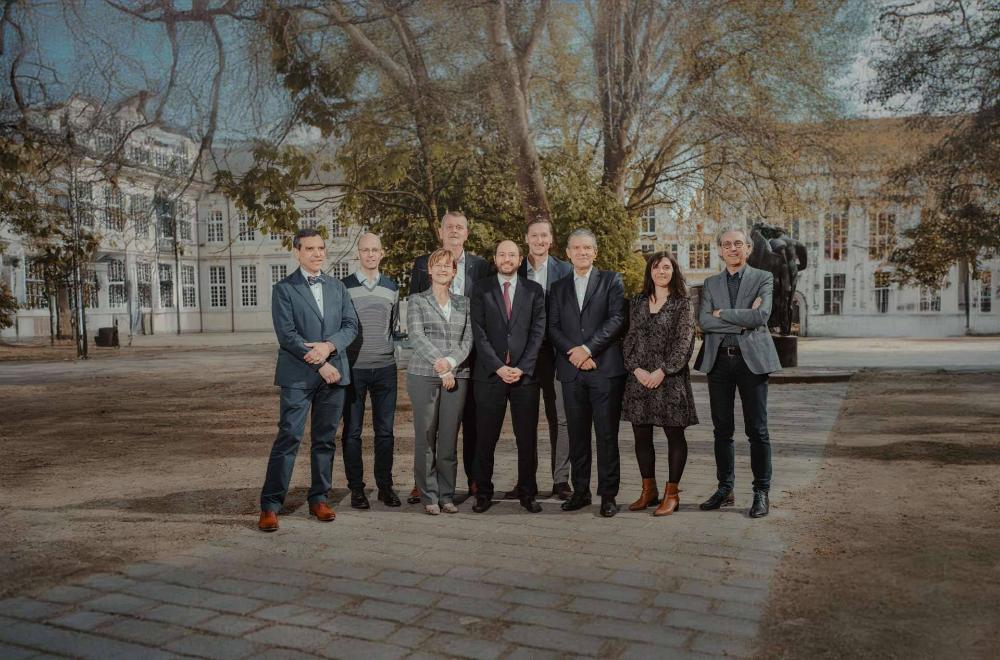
[(107, 582), (291, 636), (31, 609), (152, 633), (607, 591), (275, 593), (231, 625), (378, 609), (182, 616), (723, 592), (325, 600), (466, 647), (533, 598), (721, 645), (400, 578), (355, 626), (682, 601), (409, 637), (556, 640), (464, 588), (212, 646), (83, 620), (120, 604), (489, 609), (73, 643), (346, 648), (651, 633), (68, 593), (646, 651), (612, 609), (232, 603), (723, 625), (8, 652), (296, 615)]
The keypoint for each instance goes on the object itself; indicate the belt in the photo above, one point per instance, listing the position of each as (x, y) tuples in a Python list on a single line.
[(731, 351)]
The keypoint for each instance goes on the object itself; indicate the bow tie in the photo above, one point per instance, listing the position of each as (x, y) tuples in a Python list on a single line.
[(310, 279)]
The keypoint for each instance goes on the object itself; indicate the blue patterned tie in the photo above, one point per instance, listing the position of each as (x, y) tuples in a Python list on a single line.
[(313, 279)]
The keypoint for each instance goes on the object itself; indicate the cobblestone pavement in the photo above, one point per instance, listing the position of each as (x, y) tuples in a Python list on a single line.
[(394, 583)]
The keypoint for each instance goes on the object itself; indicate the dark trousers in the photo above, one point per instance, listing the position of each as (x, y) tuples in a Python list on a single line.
[(327, 402), (729, 374), (380, 384), (594, 400), (492, 398), (469, 427), (555, 413)]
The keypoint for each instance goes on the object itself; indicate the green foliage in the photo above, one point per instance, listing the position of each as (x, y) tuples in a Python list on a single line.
[(8, 306)]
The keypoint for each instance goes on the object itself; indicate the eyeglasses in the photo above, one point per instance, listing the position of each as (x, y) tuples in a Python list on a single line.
[(733, 244)]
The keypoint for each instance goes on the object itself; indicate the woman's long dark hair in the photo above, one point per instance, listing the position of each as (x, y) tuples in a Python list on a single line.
[(676, 285)]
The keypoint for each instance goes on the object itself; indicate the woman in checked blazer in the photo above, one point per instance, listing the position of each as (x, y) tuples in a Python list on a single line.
[(437, 380)]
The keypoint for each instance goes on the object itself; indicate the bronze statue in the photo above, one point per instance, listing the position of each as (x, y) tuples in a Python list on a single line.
[(782, 256)]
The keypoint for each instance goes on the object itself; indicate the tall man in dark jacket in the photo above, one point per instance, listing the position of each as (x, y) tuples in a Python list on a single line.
[(315, 322), (453, 232), (508, 323), (586, 320)]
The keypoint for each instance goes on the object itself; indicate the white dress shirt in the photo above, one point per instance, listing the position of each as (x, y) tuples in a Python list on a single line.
[(365, 282), (580, 284), (315, 289), (513, 285), (458, 284), (541, 275)]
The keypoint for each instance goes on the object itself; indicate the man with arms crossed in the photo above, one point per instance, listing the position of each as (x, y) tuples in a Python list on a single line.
[(546, 270), (314, 322), (508, 323), (453, 232), (738, 354), (586, 319), (373, 371)]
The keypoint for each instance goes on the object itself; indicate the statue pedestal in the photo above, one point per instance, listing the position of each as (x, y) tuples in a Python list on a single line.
[(788, 349)]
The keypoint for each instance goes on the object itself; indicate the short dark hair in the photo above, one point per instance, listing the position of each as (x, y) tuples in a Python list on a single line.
[(676, 285), (303, 233), (540, 221)]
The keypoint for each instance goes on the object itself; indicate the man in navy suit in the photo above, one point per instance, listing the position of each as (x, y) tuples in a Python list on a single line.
[(546, 270), (508, 323), (453, 232), (586, 319), (315, 322)]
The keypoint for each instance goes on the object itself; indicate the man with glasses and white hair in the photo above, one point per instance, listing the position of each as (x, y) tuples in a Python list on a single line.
[(738, 354)]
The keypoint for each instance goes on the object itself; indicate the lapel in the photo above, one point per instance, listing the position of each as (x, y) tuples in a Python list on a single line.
[(446, 323), (520, 299), (496, 290), (550, 272), (328, 292), (591, 288), (467, 284), (300, 285), (744, 287)]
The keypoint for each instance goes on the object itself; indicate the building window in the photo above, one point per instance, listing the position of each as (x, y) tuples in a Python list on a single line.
[(85, 203), (247, 232), (218, 293), (308, 219), (114, 209), (673, 250), (184, 226), (647, 221), (340, 270), (833, 293), (138, 209), (166, 273), (835, 236), (116, 283), (144, 283), (699, 255), (882, 288), (795, 229), (647, 248), (930, 299), (165, 210), (881, 235), (986, 291), (216, 228), (338, 229), (34, 285), (278, 273), (189, 297), (90, 288), (248, 286)]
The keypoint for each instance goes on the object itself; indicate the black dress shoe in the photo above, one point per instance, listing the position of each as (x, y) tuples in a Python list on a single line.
[(531, 505), (388, 497), (761, 506), (719, 499), (578, 501), (359, 500), (514, 494), (562, 491), (482, 504), (608, 507), (414, 497)]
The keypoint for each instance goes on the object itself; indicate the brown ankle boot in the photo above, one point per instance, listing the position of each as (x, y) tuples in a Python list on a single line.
[(648, 496), (671, 501)]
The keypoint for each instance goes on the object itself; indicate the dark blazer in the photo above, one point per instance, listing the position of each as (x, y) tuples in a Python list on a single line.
[(599, 326), (476, 268), (297, 320), (557, 269), (495, 335)]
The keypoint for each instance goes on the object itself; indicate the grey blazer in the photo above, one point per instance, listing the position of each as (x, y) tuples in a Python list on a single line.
[(297, 320), (754, 338), (433, 337)]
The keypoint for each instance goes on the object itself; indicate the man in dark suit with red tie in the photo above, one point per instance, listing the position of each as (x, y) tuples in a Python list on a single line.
[(508, 323), (586, 319)]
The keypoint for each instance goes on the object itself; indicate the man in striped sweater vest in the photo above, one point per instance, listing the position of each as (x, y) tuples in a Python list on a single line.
[(373, 371)]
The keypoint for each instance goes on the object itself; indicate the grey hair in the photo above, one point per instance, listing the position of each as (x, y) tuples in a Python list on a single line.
[(726, 230), (454, 214), (582, 231)]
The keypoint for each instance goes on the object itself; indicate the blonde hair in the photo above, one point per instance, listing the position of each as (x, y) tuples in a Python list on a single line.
[(441, 254)]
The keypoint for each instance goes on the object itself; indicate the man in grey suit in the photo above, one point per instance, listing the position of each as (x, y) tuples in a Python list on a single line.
[(738, 354), (315, 322)]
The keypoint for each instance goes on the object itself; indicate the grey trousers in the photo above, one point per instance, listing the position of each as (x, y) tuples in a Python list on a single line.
[(555, 413), (437, 416)]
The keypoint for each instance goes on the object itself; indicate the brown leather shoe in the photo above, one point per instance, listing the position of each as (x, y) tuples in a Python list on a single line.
[(322, 511), (648, 496), (414, 497), (671, 501), (268, 521)]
